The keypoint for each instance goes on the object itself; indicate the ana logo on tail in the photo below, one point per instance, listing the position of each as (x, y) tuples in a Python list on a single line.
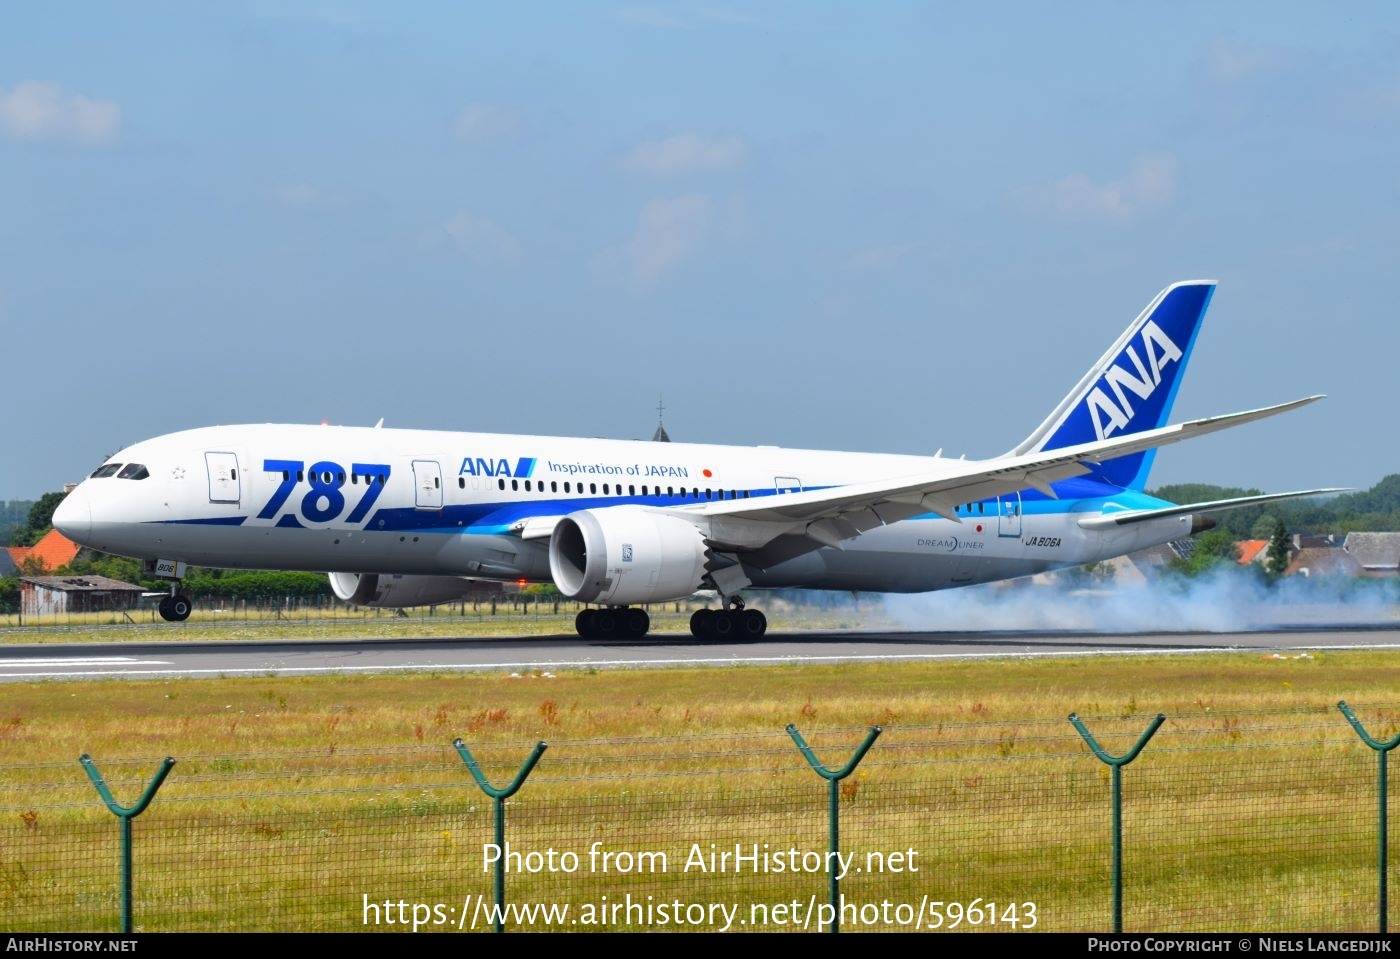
[(1112, 414)]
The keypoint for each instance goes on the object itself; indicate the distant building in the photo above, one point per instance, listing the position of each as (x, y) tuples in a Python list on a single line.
[(1322, 561), (660, 436), (53, 551), (1252, 551), (1377, 554), (76, 594)]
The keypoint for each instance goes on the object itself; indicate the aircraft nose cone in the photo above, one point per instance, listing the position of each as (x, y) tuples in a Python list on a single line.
[(73, 518)]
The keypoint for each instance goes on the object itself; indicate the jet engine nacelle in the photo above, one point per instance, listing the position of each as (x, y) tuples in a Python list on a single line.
[(395, 592), (622, 555)]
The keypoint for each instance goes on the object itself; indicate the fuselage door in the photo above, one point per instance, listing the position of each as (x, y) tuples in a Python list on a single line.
[(223, 477), (427, 481), (1009, 515), (787, 484)]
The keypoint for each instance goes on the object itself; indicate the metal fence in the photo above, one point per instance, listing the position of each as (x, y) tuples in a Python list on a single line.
[(1261, 821)]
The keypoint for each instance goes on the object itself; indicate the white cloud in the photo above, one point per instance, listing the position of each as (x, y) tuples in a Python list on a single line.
[(41, 111), (479, 122), (482, 241), (670, 231), (1229, 63), (305, 195), (686, 153), (1149, 185), (651, 17), (875, 259)]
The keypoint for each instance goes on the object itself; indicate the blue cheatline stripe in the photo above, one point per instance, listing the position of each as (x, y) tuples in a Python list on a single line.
[(211, 521), (1083, 494)]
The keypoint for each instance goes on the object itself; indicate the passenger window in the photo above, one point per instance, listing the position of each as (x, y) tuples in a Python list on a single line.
[(286, 476), (461, 482), (527, 486), (605, 489), (631, 490), (301, 475), (593, 488), (566, 486), (437, 482), (670, 491), (501, 483), (515, 485)]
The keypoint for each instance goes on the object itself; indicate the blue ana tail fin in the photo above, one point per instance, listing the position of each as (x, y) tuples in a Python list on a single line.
[(1132, 386)]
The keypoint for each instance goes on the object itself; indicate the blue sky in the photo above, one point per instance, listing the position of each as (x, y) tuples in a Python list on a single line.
[(889, 227)]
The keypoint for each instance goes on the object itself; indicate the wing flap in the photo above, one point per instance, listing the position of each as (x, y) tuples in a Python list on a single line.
[(1128, 517)]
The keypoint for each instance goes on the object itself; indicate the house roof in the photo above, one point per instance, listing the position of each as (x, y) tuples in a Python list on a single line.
[(54, 550), (82, 584), (1374, 551), (1323, 561), (1250, 550)]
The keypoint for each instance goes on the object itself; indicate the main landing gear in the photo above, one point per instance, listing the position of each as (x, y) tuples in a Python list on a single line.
[(612, 622), (734, 623)]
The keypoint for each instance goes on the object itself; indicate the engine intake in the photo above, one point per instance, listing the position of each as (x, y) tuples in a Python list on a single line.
[(620, 555)]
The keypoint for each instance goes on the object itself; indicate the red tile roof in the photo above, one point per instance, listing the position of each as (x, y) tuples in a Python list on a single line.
[(1250, 548), (54, 550)]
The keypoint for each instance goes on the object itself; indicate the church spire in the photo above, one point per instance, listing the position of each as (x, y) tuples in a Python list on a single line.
[(660, 436)]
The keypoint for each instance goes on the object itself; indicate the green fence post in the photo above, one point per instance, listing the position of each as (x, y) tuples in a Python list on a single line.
[(833, 777), (126, 815), (1116, 763), (500, 796), (1382, 824)]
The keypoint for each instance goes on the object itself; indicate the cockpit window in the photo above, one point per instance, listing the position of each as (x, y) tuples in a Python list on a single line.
[(102, 472), (133, 471)]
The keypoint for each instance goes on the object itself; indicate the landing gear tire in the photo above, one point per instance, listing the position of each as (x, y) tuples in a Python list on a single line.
[(607, 623), (702, 623), (752, 623), (728, 624), (176, 609), (635, 622)]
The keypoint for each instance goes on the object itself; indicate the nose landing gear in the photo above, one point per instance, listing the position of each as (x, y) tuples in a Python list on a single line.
[(176, 607)]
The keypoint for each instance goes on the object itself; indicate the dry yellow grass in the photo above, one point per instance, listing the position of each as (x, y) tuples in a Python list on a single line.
[(295, 797)]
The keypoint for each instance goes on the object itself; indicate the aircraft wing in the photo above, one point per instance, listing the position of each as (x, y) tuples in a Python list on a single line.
[(827, 517), (1128, 516)]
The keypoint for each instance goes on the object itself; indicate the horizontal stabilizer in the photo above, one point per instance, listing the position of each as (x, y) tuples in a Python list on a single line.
[(1126, 517)]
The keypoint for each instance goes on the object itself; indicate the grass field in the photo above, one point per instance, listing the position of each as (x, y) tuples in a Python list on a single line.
[(293, 798)]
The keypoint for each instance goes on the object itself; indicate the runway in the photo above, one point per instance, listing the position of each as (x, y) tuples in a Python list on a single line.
[(329, 657)]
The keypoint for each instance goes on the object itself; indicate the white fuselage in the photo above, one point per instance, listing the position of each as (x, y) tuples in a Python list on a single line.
[(361, 500)]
